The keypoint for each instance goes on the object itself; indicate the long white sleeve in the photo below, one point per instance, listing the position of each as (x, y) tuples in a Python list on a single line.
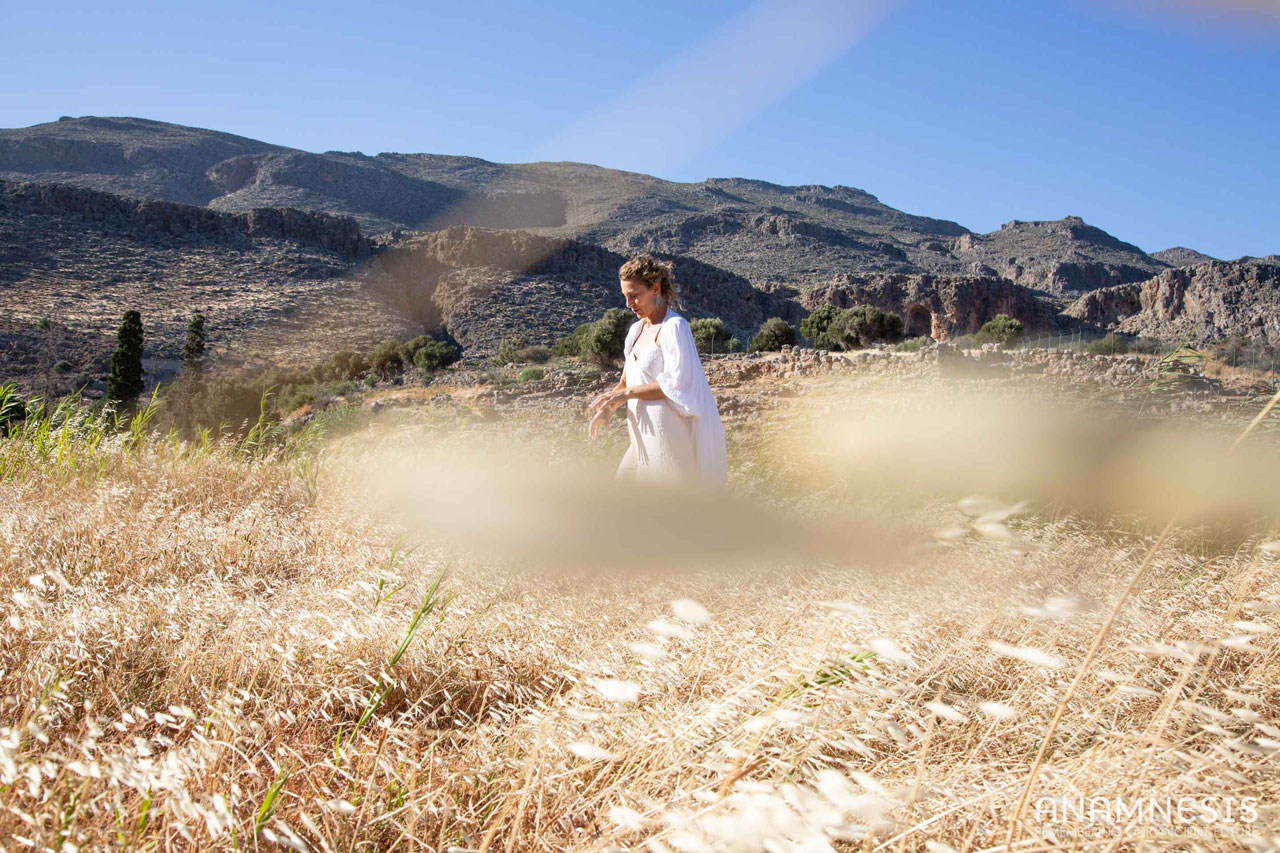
[(681, 368), (684, 383)]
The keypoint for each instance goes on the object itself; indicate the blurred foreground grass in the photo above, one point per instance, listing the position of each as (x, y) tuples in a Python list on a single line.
[(334, 644)]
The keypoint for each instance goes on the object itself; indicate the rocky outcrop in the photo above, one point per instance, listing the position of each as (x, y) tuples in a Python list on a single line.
[(168, 220), (1180, 256), (1206, 302), (942, 307), (1060, 257), (481, 285)]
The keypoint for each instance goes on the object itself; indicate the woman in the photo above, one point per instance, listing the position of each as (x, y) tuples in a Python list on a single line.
[(675, 429)]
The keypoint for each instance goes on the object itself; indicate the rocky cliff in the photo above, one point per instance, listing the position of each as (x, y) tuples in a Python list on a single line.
[(942, 307), (1206, 302), (482, 285), (1060, 257), (149, 220)]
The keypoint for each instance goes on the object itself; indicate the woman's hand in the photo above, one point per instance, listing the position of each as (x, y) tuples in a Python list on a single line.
[(609, 400), (599, 422)]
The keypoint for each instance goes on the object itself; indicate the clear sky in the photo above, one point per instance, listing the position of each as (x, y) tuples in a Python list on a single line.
[(1157, 120)]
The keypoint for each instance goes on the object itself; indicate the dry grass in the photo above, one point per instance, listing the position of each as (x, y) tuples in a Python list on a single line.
[(200, 651)]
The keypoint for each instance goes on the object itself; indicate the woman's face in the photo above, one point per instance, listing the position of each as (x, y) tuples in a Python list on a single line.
[(641, 299)]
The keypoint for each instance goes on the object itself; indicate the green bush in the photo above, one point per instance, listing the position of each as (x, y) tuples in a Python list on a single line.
[(814, 327), (604, 341), (434, 355), (1112, 344), (710, 334), (832, 328), (773, 335), (1000, 329), (863, 325), (735, 345), (532, 374), (508, 351), (294, 397), (1149, 346), (534, 354), (344, 364), (571, 344), (232, 401), (409, 349), (387, 358), (915, 344)]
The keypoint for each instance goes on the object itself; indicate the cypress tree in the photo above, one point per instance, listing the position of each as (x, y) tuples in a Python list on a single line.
[(193, 349), (125, 382)]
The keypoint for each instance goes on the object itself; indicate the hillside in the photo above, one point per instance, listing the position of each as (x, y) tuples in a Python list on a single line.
[(769, 234), (98, 215), (275, 282)]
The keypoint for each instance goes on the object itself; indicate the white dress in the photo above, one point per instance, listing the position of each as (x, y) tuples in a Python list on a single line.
[(679, 438)]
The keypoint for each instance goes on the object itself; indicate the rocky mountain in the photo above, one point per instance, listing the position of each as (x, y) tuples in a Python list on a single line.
[(294, 254), (768, 234), (1206, 302), (1180, 256), (1060, 257)]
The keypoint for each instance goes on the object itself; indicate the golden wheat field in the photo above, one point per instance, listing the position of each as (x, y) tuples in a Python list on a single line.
[(914, 625)]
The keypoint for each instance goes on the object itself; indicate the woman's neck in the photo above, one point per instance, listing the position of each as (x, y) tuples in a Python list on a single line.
[(658, 316)]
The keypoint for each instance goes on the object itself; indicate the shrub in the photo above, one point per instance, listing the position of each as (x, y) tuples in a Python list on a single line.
[(125, 380), (534, 354), (915, 344), (409, 350), (773, 335), (387, 358), (434, 355), (735, 345), (814, 327), (1112, 344), (604, 341), (343, 364), (831, 328), (860, 326), (532, 374), (294, 397), (710, 334), (1000, 329), (1147, 346), (571, 344), (508, 351), (233, 401)]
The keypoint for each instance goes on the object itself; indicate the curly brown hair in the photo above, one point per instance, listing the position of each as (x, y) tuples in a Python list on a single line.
[(654, 273)]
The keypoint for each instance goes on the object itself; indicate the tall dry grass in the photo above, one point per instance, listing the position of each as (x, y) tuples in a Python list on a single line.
[(210, 646)]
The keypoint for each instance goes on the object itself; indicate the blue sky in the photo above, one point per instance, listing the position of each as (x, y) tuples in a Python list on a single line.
[(1149, 120)]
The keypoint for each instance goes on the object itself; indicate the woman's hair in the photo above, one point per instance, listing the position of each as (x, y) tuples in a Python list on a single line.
[(654, 273)]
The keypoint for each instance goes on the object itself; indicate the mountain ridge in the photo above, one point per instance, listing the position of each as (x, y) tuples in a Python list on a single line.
[(769, 233), (288, 252)]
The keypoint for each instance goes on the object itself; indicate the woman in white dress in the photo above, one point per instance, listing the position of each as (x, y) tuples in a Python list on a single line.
[(675, 429)]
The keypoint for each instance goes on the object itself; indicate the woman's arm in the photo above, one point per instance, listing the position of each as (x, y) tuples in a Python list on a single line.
[(611, 399)]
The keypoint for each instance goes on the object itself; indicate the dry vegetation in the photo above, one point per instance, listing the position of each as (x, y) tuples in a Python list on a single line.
[(226, 646)]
